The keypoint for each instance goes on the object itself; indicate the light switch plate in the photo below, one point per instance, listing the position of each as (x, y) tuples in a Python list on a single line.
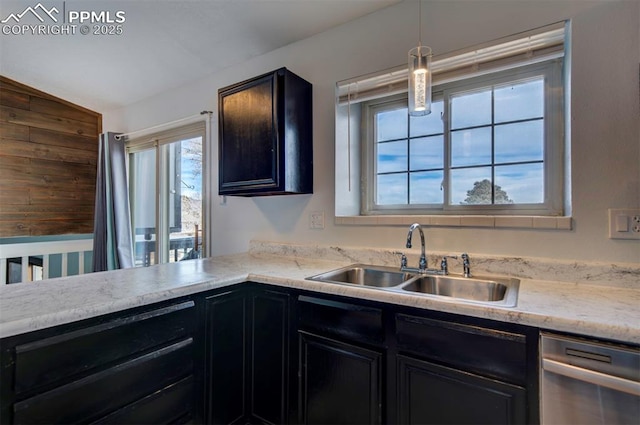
[(624, 223)]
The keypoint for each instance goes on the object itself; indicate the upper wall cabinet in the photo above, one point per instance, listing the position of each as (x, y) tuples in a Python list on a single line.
[(265, 136)]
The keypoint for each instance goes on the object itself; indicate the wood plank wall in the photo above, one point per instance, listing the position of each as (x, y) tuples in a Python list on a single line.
[(48, 159)]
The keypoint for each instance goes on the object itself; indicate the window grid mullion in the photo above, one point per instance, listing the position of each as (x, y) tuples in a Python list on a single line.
[(408, 160), (446, 139), (493, 147)]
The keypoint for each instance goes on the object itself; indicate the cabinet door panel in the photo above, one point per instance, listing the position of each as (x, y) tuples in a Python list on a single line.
[(433, 394), (249, 141), (106, 391), (339, 383), (270, 356), (226, 346)]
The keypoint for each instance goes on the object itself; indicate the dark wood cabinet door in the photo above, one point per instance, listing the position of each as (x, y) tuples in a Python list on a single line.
[(339, 383), (225, 358), (249, 150), (270, 356), (434, 394)]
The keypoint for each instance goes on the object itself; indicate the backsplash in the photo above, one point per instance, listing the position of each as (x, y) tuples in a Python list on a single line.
[(622, 275)]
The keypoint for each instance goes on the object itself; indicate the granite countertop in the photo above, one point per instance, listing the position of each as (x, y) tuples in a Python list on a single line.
[(596, 310)]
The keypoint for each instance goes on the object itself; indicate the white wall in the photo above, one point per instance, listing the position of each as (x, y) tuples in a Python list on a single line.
[(604, 123)]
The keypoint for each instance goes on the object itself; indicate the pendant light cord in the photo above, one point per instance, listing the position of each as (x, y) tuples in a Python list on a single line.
[(419, 22)]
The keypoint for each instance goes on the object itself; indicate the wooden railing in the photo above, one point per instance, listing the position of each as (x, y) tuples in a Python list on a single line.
[(37, 254)]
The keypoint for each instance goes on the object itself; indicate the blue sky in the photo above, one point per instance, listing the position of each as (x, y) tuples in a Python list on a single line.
[(470, 147)]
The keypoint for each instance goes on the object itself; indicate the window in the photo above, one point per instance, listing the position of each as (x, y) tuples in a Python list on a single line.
[(166, 179), (493, 144), (487, 147)]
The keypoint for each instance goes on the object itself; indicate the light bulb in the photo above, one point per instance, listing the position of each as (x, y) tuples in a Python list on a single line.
[(420, 84)]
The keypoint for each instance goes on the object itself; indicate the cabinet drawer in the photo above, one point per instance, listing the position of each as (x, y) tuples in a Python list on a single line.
[(481, 350), (337, 318), (104, 392), (62, 357), (173, 404)]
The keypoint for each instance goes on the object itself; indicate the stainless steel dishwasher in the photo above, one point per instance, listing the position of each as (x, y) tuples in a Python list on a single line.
[(588, 382)]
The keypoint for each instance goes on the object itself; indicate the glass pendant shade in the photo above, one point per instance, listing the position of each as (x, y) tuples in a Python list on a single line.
[(420, 81)]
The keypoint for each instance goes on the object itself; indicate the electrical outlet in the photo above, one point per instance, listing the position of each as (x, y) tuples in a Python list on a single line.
[(624, 223), (316, 220)]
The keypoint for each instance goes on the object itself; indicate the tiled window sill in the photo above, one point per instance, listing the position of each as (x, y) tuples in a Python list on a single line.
[(485, 221)]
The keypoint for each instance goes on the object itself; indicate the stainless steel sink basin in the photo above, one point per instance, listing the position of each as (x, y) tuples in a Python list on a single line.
[(489, 290), (366, 275)]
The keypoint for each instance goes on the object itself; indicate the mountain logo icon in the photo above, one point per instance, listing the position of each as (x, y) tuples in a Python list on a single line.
[(38, 11)]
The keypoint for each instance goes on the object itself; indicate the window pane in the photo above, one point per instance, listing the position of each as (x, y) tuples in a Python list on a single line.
[(426, 153), (426, 187), (471, 147), (523, 184), (391, 125), (471, 109), (392, 189), (519, 101), (143, 205), (523, 141), (471, 186), (427, 125), (185, 200), (392, 156)]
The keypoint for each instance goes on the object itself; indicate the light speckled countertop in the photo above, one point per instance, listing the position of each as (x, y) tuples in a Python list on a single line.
[(610, 312)]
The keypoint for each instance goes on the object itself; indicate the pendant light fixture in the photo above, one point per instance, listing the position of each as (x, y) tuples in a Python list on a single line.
[(420, 74)]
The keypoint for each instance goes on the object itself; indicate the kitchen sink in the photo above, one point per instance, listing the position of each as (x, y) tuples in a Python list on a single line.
[(487, 290), (477, 289), (366, 275)]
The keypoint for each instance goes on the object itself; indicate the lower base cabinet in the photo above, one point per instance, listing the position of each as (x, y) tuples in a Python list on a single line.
[(260, 354), (339, 383)]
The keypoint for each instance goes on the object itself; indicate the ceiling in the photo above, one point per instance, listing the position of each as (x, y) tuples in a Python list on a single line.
[(163, 44)]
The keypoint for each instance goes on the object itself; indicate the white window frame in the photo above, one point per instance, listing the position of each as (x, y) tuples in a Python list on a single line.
[(554, 145), (156, 141)]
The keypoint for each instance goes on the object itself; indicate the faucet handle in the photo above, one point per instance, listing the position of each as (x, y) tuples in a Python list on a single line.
[(444, 266), (466, 267), (403, 258)]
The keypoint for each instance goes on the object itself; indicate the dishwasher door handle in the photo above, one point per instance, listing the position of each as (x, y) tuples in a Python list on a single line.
[(592, 377)]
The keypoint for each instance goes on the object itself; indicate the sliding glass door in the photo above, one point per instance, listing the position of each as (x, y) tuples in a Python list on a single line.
[(166, 181)]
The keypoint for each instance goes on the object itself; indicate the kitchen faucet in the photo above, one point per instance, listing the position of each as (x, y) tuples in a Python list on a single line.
[(422, 265)]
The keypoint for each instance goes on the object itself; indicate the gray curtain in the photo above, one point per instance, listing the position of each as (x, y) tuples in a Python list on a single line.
[(112, 243)]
